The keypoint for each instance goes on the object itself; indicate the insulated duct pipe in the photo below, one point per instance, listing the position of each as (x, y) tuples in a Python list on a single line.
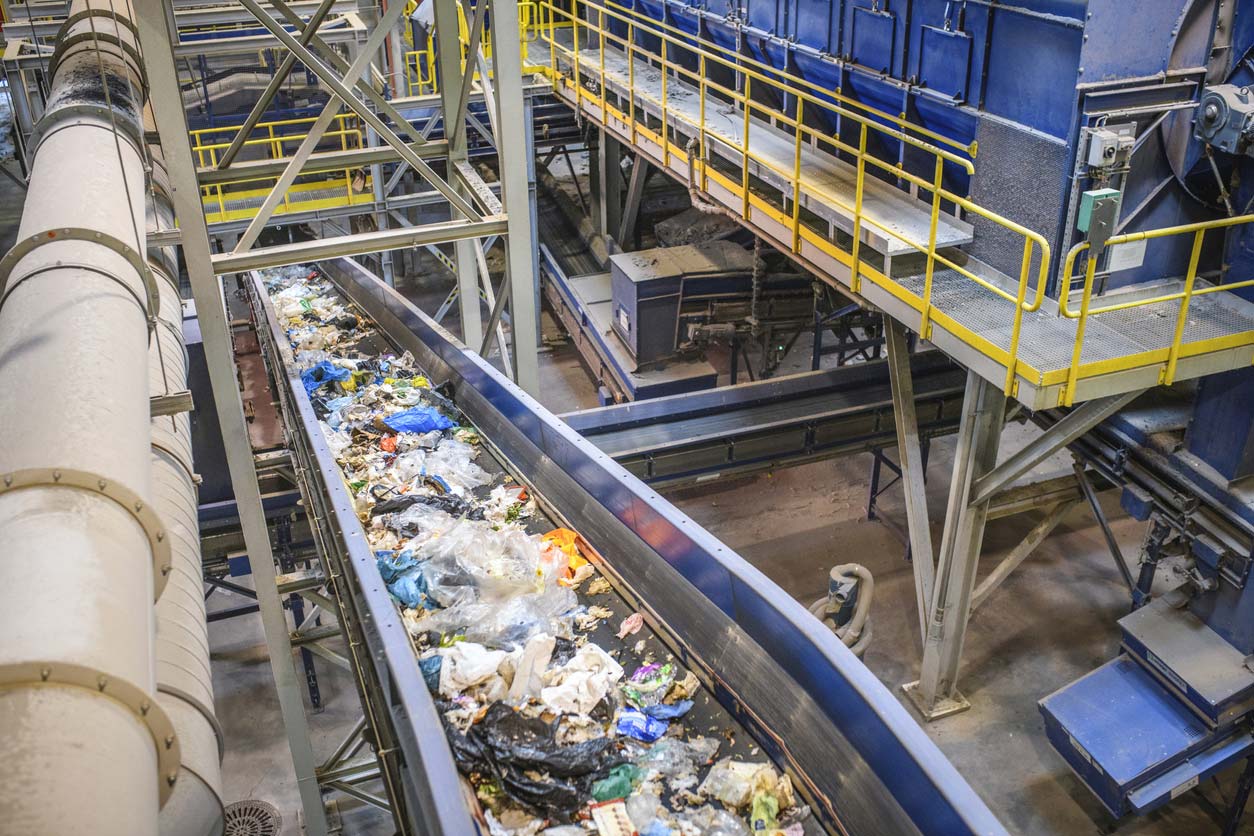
[(184, 678), (88, 747)]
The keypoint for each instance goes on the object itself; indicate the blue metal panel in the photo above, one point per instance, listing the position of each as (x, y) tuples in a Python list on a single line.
[(944, 62), (1222, 434), (872, 35), (766, 15), (814, 24), (1118, 728), (1032, 71), (1122, 45)]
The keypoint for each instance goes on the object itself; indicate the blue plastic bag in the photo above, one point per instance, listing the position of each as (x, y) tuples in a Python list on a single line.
[(321, 374), (662, 711), (640, 726), (392, 564), (418, 419), (410, 588), (430, 668)]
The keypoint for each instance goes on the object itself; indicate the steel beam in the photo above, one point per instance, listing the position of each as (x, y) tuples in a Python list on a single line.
[(361, 244), (328, 77), (272, 87), (520, 263), (157, 33), (1086, 486), (1078, 421), (935, 694), (448, 50), (913, 477), (1022, 551), (315, 134), (635, 193), (610, 176)]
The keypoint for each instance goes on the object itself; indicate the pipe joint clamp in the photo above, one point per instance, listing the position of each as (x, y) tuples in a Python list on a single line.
[(151, 306), (145, 707), (133, 503)]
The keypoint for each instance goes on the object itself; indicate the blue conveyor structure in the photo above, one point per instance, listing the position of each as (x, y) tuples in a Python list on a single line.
[(856, 755)]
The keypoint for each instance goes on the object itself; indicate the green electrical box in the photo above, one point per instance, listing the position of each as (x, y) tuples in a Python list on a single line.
[(1087, 201)]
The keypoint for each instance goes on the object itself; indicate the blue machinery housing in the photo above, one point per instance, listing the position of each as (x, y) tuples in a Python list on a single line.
[(855, 752)]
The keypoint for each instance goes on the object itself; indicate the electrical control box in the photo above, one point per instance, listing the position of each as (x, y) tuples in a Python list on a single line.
[(1110, 146)]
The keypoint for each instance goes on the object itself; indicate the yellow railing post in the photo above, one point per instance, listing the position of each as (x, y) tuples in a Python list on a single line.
[(701, 127), (631, 78), (1067, 396), (796, 178), (925, 323), (855, 276), (574, 53), (1168, 374), (666, 145), (1012, 353), (601, 51), (744, 150)]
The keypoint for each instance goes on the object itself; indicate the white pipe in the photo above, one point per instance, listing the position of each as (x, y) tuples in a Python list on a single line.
[(184, 677), (87, 748)]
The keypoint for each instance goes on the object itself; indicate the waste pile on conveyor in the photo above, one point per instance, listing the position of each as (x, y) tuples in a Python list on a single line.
[(562, 708)]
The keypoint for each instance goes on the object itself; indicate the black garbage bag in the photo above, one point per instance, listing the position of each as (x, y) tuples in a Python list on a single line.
[(530, 765), (450, 504)]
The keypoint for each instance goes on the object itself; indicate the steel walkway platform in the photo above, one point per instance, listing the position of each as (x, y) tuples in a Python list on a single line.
[(785, 186)]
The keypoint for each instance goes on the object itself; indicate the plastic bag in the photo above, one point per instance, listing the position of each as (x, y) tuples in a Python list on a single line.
[(418, 419), (663, 711), (529, 676), (671, 756), (637, 725), (764, 813), (577, 686), (618, 784), (735, 783), (321, 374), (710, 821), (511, 745), (649, 684), (467, 664)]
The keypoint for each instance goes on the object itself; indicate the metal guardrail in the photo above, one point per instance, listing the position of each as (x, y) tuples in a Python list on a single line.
[(589, 20), (1178, 347), (274, 138), (421, 78), (599, 25)]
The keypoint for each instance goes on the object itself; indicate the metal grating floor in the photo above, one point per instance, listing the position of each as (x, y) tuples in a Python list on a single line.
[(235, 204), (1047, 339)]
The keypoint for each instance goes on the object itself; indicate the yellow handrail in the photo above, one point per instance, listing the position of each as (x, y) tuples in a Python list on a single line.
[(1029, 294), (347, 131), (1184, 296)]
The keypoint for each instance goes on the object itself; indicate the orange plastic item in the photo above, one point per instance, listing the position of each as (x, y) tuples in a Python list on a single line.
[(568, 542), (388, 444)]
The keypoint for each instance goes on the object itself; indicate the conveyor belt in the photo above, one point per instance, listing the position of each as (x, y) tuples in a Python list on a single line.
[(771, 423), (859, 758)]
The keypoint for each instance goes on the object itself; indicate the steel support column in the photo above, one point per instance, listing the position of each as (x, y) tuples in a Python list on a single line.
[(935, 694), (910, 453), (626, 231), (610, 184), (156, 36), (449, 53), (507, 65)]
